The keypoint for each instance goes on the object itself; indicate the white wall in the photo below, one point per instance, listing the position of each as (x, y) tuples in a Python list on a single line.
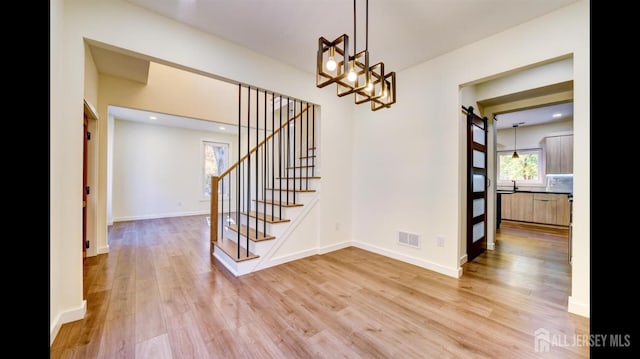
[(532, 136), (91, 84), (127, 26), (406, 160), (539, 76), (157, 170), (65, 210)]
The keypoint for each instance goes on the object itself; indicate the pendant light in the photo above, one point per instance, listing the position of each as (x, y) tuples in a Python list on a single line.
[(515, 152), (354, 74)]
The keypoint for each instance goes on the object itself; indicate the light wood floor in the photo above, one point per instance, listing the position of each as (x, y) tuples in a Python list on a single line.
[(158, 294)]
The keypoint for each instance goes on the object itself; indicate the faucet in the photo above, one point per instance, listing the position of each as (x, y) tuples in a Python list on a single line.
[(514, 185)]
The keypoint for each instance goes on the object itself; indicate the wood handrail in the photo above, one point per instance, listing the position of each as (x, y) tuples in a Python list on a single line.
[(223, 174)]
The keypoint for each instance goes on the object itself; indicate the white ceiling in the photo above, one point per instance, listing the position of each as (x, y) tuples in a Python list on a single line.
[(535, 116), (163, 119), (402, 33), (288, 30)]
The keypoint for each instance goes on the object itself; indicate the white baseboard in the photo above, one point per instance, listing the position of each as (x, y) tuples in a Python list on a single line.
[(464, 259), (67, 316), (334, 247), (160, 215), (451, 272), (578, 308), (103, 250), (491, 246)]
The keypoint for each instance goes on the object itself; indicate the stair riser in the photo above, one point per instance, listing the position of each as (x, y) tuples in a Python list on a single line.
[(313, 183), (273, 229), (287, 212), (301, 197), (308, 162), (302, 172), (259, 248)]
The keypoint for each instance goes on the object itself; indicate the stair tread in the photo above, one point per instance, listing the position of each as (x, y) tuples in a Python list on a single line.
[(278, 203), (268, 218), (231, 249), (299, 177), (252, 233), (290, 190), (305, 157), (303, 166)]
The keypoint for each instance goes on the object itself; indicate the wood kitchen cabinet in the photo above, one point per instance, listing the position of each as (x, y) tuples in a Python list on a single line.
[(522, 207), (505, 206), (559, 154), (563, 206), (544, 208)]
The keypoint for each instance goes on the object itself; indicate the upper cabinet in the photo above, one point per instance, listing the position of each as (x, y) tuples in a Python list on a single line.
[(559, 154)]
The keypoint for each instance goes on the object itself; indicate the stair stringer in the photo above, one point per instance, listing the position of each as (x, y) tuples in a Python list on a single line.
[(306, 218)]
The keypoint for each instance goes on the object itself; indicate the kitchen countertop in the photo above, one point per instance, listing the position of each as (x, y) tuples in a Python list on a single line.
[(510, 191)]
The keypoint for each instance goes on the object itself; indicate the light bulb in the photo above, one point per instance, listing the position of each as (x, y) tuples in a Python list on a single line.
[(384, 95), (369, 86), (331, 64), (352, 75)]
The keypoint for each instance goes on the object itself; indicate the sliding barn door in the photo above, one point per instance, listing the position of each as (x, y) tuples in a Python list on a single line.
[(476, 185)]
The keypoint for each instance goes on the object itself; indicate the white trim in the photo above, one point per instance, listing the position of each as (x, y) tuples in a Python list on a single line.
[(334, 247), (159, 215), (202, 144), (267, 260), (66, 316), (463, 259), (491, 245), (578, 308), (103, 250), (451, 272)]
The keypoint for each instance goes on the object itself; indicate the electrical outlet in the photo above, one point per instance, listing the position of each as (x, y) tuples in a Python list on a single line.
[(440, 241), (337, 226)]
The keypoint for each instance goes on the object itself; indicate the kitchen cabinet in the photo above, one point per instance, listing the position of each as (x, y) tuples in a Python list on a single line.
[(536, 207), (559, 154), (505, 204), (563, 206), (545, 208), (522, 207)]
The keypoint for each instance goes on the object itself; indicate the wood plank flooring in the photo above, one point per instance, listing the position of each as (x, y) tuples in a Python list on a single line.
[(159, 294)]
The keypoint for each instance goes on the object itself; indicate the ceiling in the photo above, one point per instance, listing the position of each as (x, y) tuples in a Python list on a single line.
[(163, 119), (402, 33), (288, 31), (536, 116)]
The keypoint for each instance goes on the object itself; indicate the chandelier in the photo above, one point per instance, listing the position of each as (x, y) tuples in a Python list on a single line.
[(352, 74)]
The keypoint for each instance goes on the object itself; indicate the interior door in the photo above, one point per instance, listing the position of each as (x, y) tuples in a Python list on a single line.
[(85, 136), (476, 184)]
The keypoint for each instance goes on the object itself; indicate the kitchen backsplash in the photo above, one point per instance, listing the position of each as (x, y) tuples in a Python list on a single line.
[(560, 183)]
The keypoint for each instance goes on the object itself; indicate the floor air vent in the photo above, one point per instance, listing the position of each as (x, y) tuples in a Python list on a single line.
[(409, 239)]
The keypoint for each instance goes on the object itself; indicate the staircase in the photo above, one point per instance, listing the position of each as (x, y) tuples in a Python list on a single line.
[(258, 202)]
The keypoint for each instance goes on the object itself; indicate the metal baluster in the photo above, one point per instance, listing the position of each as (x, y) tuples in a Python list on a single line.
[(248, 161), (280, 161), (264, 167), (288, 152), (294, 152), (257, 175), (313, 141), (238, 191), (306, 163), (273, 154)]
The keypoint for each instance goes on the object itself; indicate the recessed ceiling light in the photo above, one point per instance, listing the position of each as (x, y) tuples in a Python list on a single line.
[(221, 128), (153, 118), (556, 115)]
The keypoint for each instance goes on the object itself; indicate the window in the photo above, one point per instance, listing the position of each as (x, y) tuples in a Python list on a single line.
[(526, 169), (215, 161)]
